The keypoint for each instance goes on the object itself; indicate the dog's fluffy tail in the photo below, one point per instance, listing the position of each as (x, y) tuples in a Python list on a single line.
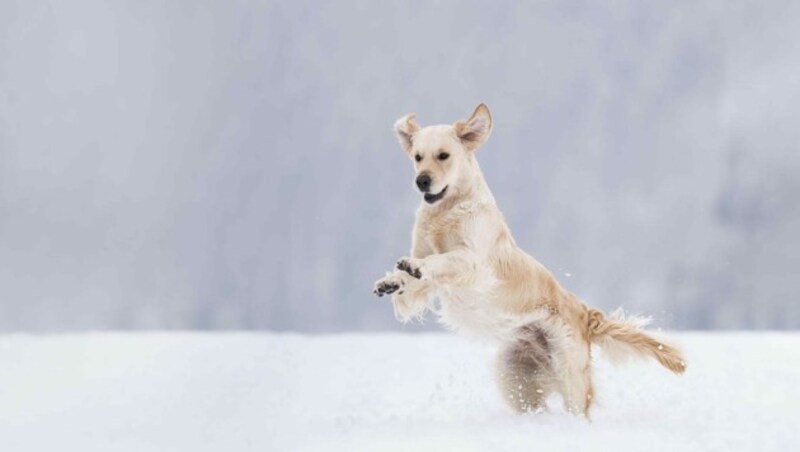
[(622, 337)]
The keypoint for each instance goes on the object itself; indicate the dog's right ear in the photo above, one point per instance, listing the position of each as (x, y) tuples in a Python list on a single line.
[(405, 128)]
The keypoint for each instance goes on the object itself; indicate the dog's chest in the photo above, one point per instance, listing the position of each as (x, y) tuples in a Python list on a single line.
[(443, 233)]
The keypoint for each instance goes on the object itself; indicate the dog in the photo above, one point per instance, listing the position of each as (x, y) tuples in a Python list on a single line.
[(464, 255)]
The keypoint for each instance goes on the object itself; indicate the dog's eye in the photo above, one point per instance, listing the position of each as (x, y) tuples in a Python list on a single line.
[(418, 157), (443, 156)]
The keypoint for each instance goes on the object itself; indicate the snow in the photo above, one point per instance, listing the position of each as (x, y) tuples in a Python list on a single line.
[(285, 392)]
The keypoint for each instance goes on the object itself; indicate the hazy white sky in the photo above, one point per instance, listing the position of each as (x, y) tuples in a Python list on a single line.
[(209, 165)]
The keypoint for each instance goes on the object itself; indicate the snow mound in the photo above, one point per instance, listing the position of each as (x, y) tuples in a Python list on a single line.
[(282, 392)]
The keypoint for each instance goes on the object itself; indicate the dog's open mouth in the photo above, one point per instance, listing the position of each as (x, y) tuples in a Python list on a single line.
[(430, 198)]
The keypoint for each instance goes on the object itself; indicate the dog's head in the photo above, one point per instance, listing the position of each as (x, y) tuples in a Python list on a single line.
[(443, 155)]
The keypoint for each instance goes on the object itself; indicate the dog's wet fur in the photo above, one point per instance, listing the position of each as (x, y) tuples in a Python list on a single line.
[(464, 255), (525, 370)]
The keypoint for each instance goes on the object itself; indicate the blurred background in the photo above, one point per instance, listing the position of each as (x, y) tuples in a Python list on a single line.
[(231, 165)]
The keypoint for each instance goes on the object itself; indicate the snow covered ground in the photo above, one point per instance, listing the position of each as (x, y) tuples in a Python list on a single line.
[(283, 392)]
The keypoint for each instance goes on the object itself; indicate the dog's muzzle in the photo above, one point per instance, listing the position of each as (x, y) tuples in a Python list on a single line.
[(430, 199)]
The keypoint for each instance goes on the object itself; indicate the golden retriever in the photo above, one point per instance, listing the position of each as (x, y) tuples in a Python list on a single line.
[(463, 253)]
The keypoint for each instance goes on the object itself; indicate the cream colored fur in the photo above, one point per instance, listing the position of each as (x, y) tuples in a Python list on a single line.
[(464, 255)]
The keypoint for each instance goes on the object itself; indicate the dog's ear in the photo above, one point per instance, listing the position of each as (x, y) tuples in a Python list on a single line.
[(475, 130), (405, 128)]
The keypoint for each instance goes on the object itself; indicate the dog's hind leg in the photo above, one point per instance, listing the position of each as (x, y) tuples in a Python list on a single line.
[(525, 371), (574, 369)]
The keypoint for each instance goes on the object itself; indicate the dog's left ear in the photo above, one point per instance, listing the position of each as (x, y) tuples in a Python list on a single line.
[(475, 130)]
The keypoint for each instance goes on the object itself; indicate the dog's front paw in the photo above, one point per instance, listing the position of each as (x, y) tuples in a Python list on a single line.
[(388, 285), (411, 266)]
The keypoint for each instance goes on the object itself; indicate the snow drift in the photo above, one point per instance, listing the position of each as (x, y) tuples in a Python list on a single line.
[(283, 392)]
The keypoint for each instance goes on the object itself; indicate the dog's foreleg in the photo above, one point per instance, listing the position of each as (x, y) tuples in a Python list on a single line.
[(410, 296), (412, 302), (458, 267)]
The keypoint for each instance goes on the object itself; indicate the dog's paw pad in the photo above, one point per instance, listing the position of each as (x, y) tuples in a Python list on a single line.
[(407, 266), (386, 287)]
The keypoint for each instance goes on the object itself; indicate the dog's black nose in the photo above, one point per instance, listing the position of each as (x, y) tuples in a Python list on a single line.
[(424, 183)]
